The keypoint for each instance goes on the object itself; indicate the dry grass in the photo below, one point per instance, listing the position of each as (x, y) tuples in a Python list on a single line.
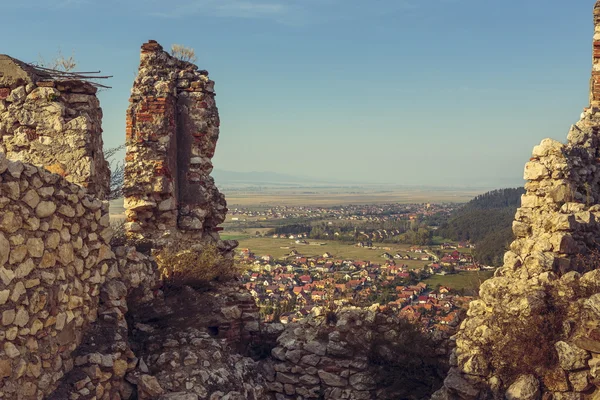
[(182, 266), (525, 345), (183, 53)]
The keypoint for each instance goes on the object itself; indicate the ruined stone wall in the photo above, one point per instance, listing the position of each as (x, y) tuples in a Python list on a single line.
[(172, 130), (54, 258), (549, 282), (321, 359), (52, 123)]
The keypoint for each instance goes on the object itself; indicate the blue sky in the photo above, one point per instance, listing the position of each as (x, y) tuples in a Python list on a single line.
[(432, 92)]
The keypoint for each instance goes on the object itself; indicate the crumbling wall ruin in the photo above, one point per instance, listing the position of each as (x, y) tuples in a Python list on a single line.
[(52, 123), (535, 329), (66, 295), (172, 130)]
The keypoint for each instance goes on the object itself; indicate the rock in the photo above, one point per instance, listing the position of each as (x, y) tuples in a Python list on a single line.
[(535, 171), (556, 380), (35, 247), (5, 369), (31, 198), (316, 347), (476, 364), (4, 250), (579, 380), (526, 387), (179, 396), (11, 350), (286, 378), (120, 367), (25, 269), (332, 379), (362, 381), (148, 387), (570, 356), (114, 290), (309, 380), (8, 316), (593, 303), (459, 385), (232, 312), (278, 353), (594, 365), (6, 275), (22, 318), (45, 209), (587, 344), (10, 222)]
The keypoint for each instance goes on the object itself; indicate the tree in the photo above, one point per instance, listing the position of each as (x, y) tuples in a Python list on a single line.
[(183, 53), (117, 172)]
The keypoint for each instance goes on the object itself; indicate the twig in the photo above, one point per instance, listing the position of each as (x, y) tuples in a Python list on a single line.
[(86, 76)]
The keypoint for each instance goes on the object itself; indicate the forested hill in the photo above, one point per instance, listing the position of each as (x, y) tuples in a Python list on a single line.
[(486, 221)]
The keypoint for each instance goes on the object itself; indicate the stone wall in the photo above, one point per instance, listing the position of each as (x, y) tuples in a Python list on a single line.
[(105, 356), (172, 130), (54, 258), (345, 357), (550, 270), (52, 123)]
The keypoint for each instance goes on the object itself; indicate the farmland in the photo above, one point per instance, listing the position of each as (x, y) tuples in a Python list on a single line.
[(281, 248)]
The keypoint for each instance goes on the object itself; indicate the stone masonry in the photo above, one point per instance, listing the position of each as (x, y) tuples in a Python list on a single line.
[(317, 359), (172, 131), (52, 123), (550, 270), (54, 257)]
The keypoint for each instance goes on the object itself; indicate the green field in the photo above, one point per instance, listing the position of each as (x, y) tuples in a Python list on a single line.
[(280, 248), (461, 280)]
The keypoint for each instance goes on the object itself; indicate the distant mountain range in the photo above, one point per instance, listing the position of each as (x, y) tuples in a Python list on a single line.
[(270, 178)]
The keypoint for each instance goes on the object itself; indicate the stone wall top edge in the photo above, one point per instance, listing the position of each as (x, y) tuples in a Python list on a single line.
[(8, 165)]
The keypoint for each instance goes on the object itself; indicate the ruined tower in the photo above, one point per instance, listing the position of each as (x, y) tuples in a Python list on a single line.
[(595, 81), (53, 123), (172, 131)]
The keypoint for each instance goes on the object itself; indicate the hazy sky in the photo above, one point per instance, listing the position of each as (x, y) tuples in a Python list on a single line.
[(437, 92)]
